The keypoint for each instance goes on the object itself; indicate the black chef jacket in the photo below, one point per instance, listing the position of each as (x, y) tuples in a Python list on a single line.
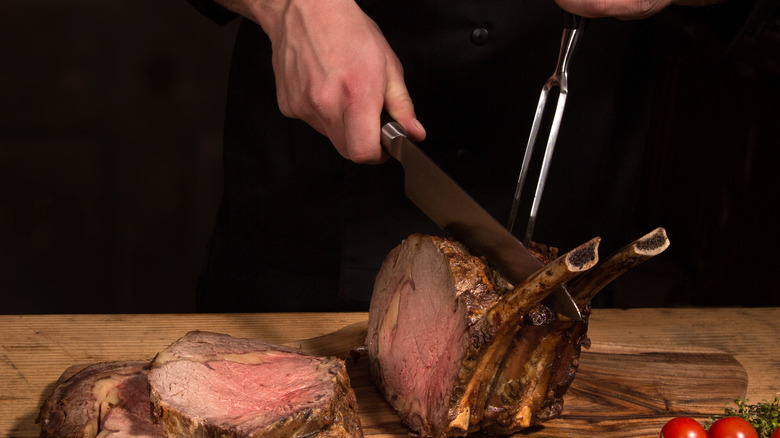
[(302, 229)]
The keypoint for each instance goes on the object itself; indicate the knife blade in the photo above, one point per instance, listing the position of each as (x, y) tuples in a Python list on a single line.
[(452, 209)]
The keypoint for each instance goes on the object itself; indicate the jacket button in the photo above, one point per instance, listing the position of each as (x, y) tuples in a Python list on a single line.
[(479, 36)]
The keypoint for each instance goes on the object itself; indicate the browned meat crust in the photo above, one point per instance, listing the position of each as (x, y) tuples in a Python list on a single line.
[(103, 397)]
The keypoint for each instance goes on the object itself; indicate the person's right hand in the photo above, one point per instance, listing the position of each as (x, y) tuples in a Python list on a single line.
[(335, 70)]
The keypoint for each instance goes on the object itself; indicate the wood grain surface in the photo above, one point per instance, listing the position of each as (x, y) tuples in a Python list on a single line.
[(36, 349)]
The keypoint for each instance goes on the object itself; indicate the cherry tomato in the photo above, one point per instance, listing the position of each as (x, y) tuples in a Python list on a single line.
[(683, 427), (776, 433), (732, 427)]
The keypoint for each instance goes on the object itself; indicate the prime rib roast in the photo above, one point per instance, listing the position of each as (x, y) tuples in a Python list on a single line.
[(214, 385), (455, 347)]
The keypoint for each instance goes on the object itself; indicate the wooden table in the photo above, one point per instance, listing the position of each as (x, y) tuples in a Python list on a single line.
[(36, 349)]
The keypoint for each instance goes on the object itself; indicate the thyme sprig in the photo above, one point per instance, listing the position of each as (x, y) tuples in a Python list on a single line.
[(764, 416)]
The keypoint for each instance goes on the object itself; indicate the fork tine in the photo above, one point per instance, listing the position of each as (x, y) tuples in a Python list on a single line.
[(572, 29), (529, 149), (546, 160)]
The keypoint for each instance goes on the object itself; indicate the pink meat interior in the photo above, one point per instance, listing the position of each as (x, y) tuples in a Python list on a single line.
[(246, 395), (422, 353)]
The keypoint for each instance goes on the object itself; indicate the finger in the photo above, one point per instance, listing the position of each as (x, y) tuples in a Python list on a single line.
[(398, 103), (627, 9), (361, 129), (336, 135)]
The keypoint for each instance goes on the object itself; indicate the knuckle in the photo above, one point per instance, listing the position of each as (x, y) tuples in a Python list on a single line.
[(322, 101)]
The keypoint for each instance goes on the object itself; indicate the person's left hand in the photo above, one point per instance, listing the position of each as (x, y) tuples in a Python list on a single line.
[(624, 9)]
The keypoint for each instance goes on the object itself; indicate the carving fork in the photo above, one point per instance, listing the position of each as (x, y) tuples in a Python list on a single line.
[(573, 27)]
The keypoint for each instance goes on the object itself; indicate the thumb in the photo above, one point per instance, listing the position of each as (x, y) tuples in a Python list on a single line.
[(398, 103)]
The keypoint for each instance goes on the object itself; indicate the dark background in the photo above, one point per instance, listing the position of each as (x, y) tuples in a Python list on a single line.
[(110, 157), (110, 153)]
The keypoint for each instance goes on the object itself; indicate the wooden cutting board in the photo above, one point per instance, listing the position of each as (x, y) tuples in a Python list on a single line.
[(619, 390)]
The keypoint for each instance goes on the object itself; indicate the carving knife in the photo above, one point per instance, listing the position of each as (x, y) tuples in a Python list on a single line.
[(451, 208)]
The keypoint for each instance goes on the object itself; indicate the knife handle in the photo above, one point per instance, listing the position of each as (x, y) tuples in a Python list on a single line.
[(390, 131)]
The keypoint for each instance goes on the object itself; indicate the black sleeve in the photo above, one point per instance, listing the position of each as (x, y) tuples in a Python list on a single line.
[(212, 10)]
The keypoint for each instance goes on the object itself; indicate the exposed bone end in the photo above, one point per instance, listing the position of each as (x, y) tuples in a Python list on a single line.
[(586, 286), (653, 243), (534, 289), (584, 256), (461, 422)]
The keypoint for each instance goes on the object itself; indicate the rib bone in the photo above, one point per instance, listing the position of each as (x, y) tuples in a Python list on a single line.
[(502, 324), (586, 286), (535, 288)]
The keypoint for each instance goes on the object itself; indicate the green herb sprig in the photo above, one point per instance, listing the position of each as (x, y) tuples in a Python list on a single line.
[(764, 416)]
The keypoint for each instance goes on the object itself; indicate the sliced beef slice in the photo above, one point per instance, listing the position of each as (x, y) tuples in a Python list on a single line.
[(107, 399), (208, 384)]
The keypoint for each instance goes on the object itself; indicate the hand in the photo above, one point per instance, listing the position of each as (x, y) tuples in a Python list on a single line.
[(625, 9), (335, 70)]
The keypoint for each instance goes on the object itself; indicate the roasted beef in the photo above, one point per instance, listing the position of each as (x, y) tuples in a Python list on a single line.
[(456, 348), (108, 399), (208, 385)]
